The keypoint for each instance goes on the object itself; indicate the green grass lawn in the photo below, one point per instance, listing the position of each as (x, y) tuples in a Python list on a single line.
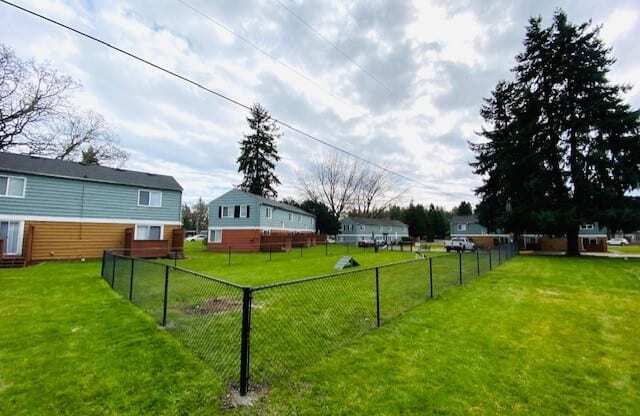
[(631, 249), (69, 345), (254, 269), (536, 336)]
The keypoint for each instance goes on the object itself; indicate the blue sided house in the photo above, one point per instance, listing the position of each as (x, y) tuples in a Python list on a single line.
[(242, 221), (358, 229), (58, 209)]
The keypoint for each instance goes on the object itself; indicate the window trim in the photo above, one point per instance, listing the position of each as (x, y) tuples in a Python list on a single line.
[(268, 214), (20, 234), (24, 188), (150, 191), (461, 227), (229, 211), (243, 210), (159, 224), (217, 231)]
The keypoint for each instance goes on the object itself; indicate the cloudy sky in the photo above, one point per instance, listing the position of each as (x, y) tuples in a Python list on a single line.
[(397, 82)]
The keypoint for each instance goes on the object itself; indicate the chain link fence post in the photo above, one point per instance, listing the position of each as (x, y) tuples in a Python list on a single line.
[(460, 265), (490, 265), (113, 270), (104, 257), (378, 297), (478, 261), (166, 295), (245, 339), (133, 262), (431, 277)]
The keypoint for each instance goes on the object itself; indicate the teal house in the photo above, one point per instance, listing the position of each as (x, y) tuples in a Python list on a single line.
[(242, 221), (356, 229), (58, 209)]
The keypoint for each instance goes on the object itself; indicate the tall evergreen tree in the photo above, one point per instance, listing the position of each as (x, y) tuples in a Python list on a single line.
[(563, 148), (464, 208), (258, 154)]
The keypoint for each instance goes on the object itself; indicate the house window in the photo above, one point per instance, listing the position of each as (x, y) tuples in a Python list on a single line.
[(215, 236), (587, 227), (462, 227), (244, 211), (268, 213), (362, 228), (148, 232), (11, 234), (290, 216), (226, 212), (149, 198), (299, 218), (12, 186)]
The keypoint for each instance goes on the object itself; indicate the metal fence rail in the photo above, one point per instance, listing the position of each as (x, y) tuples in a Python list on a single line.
[(263, 333)]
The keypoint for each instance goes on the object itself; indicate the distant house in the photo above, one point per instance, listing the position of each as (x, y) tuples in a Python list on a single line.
[(354, 229), (58, 209), (469, 226), (241, 221), (592, 237)]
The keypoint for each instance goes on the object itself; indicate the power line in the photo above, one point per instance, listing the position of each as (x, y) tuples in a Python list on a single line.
[(336, 47), (260, 49), (224, 97)]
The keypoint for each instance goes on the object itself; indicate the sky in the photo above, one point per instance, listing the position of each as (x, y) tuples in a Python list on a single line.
[(397, 82)]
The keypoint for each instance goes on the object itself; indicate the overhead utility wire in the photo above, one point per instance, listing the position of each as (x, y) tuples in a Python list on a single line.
[(336, 47), (224, 97), (261, 50)]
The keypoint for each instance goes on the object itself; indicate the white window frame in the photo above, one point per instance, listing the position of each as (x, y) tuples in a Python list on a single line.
[(151, 191), (9, 179), (136, 234), (290, 217), (268, 214), (461, 227), (362, 228), (217, 235), (229, 209), (20, 234), (587, 226), (243, 211)]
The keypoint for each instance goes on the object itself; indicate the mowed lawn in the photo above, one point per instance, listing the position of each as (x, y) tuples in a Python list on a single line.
[(263, 268), (536, 336), (630, 249)]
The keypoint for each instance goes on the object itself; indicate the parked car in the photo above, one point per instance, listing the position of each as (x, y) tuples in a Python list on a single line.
[(197, 237), (459, 244), (618, 242)]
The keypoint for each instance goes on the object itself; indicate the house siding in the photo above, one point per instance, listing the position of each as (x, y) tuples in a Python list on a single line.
[(257, 214), (362, 231), (58, 197)]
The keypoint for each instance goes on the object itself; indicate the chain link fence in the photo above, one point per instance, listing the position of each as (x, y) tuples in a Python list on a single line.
[(264, 333)]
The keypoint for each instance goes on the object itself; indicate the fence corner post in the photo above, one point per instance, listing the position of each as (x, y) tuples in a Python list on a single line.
[(104, 257), (166, 295), (245, 340), (113, 270), (431, 277), (378, 297)]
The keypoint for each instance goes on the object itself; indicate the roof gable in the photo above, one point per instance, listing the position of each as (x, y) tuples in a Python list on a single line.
[(25, 164)]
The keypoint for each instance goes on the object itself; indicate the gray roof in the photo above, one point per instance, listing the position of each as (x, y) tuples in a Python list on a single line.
[(276, 204), (26, 164), (377, 221)]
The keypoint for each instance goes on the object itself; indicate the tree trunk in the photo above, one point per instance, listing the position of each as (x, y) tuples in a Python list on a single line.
[(572, 241)]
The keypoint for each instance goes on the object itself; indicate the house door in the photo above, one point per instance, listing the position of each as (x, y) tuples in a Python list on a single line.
[(11, 236)]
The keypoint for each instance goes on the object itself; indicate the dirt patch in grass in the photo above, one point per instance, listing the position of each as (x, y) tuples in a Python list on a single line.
[(213, 305)]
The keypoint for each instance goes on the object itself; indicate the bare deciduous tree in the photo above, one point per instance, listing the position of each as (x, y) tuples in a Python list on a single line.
[(36, 116), (67, 136), (347, 185)]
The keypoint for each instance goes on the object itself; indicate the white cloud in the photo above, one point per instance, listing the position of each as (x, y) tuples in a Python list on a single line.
[(619, 23)]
